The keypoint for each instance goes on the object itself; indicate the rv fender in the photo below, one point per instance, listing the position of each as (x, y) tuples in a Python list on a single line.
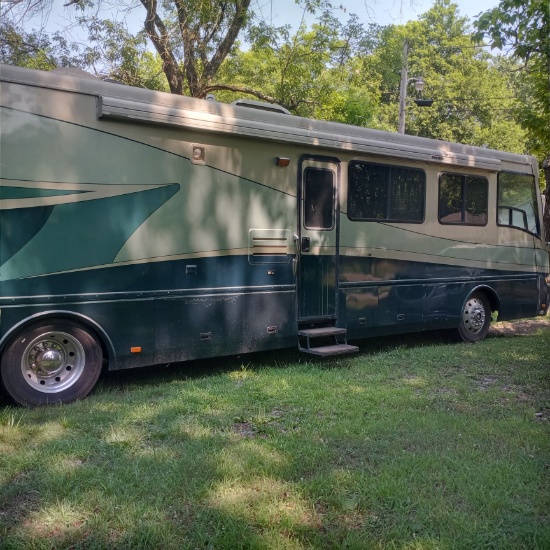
[(491, 295), (104, 339)]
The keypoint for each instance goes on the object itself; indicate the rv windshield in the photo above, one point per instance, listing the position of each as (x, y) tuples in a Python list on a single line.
[(517, 202)]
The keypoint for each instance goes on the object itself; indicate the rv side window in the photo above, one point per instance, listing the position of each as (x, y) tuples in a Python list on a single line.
[(391, 193), (517, 202), (463, 199), (318, 198)]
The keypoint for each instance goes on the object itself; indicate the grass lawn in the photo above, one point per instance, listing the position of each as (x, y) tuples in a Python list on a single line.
[(415, 443)]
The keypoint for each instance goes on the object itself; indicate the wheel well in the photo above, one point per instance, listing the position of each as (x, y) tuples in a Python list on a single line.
[(491, 295), (85, 322)]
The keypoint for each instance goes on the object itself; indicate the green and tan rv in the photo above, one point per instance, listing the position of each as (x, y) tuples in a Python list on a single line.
[(140, 228)]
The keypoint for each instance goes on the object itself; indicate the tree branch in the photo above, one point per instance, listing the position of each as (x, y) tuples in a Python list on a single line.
[(162, 45), (239, 18), (188, 38), (241, 89)]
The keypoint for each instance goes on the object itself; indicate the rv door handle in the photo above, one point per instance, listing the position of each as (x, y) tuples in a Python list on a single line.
[(297, 243), (306, 244), (295, 259)]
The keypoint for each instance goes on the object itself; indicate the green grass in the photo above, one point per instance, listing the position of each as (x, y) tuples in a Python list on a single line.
[(413, 444)]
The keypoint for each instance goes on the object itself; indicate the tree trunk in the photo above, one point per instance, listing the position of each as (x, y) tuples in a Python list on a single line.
[(546, 217), (223, 26), (160, 37)]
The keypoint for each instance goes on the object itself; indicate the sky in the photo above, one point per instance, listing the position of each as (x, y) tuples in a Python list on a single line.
[(383, 12), (282, 12)]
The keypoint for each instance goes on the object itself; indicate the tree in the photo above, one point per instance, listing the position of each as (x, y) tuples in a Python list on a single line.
[(313, 72), (36, 51), (472, 96), (200, 32), (524, 26), (192, 37), (111, 52)]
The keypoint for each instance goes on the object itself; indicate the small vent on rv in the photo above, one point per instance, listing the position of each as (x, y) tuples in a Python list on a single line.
[(260, 105), (266, 246)]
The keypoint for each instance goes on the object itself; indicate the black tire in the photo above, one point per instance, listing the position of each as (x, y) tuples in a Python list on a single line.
[(56, 361), (475, 318)]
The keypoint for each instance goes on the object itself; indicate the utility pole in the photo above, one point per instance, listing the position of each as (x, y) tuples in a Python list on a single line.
[(403, 88), (418, 86)]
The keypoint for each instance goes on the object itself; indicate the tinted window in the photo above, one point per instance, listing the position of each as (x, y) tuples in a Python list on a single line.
[(463, 199), (450, 198), (318, 198), (517, 202), (476, 200), (377, 192)]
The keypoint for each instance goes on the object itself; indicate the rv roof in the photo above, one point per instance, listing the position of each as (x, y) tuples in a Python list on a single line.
[(152, 107)]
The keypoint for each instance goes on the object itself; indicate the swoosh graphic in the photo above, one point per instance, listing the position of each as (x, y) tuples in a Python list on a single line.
[(34, 194), (84, 228)]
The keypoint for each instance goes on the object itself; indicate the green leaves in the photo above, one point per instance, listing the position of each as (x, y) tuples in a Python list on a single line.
[(523, 28), (315, 72), (473, 98), (35, 50)]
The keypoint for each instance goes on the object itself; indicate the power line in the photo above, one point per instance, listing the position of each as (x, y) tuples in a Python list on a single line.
[(470, 111), (481, 98), (466, 98), (424, 48)]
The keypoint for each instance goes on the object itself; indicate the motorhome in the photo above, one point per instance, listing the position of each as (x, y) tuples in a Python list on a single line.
[(140, 228)]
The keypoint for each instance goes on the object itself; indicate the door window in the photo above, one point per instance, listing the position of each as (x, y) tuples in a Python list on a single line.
[(319, 194)]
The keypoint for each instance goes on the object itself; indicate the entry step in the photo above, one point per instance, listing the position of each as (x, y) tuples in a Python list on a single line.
[(337, 349), (324, 341), (319, 332)]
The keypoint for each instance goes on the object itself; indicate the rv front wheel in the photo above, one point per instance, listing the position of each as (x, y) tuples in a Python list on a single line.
[(475, 318), (57, 362)]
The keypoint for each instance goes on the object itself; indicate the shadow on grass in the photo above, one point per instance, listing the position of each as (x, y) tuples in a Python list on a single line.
[(203, 368), (178, 472)]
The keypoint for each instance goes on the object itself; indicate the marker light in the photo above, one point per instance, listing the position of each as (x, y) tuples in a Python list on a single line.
[(282, 162)]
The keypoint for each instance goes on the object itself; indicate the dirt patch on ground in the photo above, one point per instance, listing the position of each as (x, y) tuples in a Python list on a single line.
[(519, 328), (18, 507)]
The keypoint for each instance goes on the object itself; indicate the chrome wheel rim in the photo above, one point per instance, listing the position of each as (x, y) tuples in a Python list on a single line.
[(473, 316), (52, 362)]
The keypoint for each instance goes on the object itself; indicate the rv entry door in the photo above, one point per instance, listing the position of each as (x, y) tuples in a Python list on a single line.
[(317, 238)]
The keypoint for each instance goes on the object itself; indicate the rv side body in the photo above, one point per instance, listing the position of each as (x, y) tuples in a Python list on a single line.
[(172, 229)]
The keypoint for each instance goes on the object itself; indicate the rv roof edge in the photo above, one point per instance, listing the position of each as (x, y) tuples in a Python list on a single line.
[(71, 71)]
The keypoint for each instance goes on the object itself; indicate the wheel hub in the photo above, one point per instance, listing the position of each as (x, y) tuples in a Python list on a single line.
[(474, 316), (53, 362), (46, 359)]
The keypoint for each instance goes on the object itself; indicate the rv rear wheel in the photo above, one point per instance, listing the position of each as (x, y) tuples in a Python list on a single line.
[(55, 362), (475, 318)]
